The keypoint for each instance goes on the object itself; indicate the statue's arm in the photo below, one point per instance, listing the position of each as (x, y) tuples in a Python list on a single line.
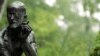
[(29, 46), (3, 50)]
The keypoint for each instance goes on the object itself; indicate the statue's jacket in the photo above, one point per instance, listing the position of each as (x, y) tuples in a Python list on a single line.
[(16, 48)]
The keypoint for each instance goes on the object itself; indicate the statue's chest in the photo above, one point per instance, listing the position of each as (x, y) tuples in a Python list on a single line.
[(11, 43)]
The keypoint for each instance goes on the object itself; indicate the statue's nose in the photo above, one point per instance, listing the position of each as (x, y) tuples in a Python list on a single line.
[(12, 17)]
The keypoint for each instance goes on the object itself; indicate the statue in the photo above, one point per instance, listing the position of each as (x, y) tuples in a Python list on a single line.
[(18, 37)]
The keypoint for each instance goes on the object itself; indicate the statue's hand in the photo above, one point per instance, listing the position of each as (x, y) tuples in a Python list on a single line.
[(26, 29)]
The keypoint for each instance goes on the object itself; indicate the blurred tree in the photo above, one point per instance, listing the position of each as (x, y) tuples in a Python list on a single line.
[(51, 40)]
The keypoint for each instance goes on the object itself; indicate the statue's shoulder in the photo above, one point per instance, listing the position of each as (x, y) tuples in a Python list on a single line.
[(31, 34), (3, 31), (31, 37)]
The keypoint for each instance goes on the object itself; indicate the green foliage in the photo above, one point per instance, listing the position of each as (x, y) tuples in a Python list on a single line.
[(77, 40), (90, 5), (97, 42)]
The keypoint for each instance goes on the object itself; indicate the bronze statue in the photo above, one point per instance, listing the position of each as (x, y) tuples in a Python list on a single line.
[(18, 37)]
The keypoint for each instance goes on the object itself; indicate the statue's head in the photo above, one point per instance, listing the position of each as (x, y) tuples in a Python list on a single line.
[(16, 14)]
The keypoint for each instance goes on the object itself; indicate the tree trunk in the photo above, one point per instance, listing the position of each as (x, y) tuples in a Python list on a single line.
[(2, 7), (1, 2)]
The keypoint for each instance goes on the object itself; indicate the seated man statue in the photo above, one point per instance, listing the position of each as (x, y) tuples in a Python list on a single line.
[(18, 37)]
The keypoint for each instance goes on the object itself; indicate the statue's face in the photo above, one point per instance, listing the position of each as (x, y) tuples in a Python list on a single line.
[(15, 17)]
